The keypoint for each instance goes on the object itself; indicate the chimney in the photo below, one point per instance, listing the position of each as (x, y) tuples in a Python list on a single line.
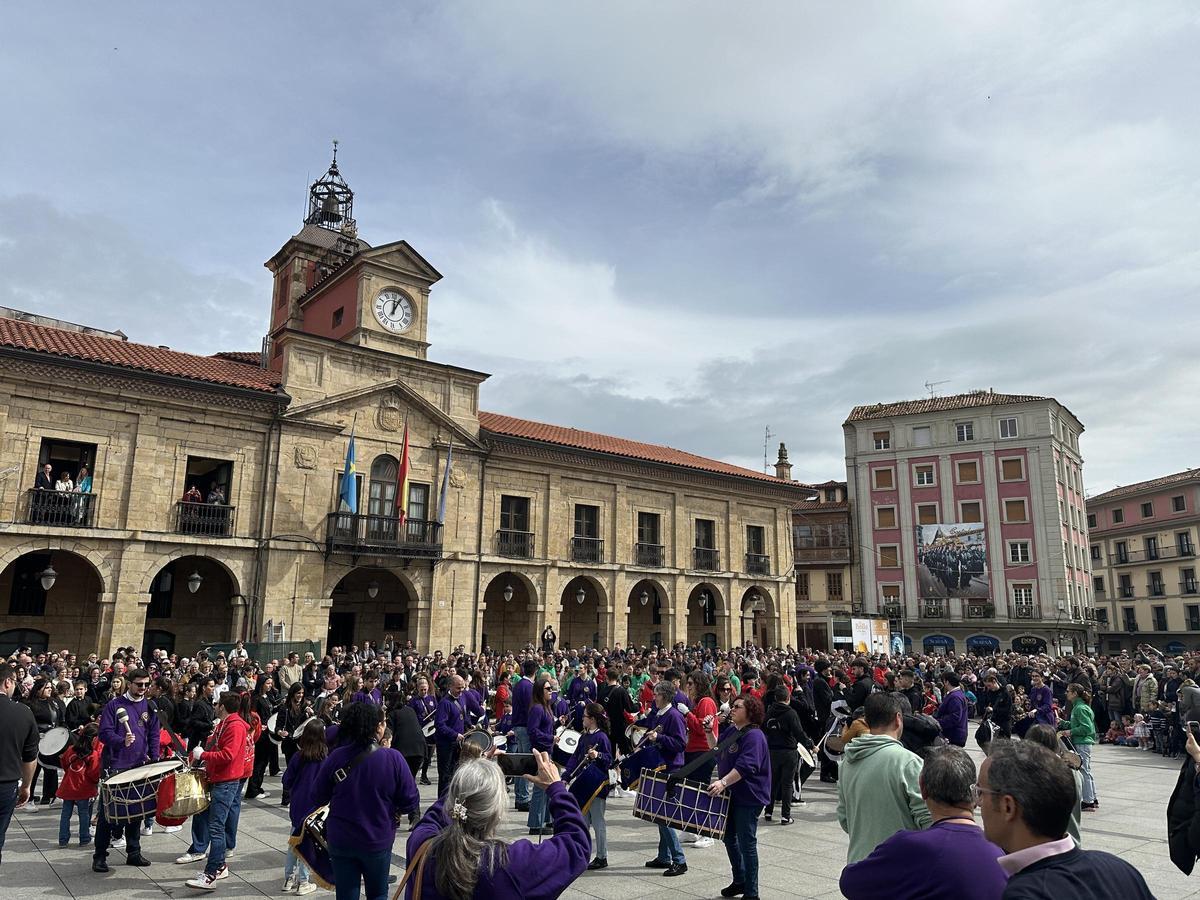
[(783, 468)]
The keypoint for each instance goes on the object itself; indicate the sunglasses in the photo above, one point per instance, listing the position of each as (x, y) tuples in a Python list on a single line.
[(140, 684)]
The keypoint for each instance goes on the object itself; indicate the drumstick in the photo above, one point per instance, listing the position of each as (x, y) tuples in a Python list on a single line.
[(123, 718)]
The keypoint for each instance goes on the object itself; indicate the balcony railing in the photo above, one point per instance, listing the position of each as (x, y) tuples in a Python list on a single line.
[(1024, 611), (981, 610), (587, 549), (706, 559), (384, 535), (61, 509), (890, 608), (1157, 589), (1189, 587), (648, 554), (822, 554), (933, 609), (1176, 551), (758, 564), (204, 519), (517, 544)]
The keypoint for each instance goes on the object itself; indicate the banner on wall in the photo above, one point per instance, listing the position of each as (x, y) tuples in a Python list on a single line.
[(870, 635), (952, 560)]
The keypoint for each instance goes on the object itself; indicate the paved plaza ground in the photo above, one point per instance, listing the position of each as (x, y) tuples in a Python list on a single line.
[(801, 860)]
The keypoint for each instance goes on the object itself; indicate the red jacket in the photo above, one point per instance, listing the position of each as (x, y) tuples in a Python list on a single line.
[(228, 749), (81, 775), (255, 732)]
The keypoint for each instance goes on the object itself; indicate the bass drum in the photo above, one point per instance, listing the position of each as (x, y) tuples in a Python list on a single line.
[(51, 746)]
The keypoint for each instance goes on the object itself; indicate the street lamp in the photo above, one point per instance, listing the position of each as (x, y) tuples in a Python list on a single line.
[(703, 599), (373, 589), (580, 596), (508, 593), (645, 598), (48, 577), (193, 582)]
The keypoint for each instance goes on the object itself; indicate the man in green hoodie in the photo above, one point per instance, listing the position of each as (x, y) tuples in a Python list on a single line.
[(879, 791)]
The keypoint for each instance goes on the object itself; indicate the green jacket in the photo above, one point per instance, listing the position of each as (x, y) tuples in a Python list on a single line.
[(1083, 723), (878, 793)]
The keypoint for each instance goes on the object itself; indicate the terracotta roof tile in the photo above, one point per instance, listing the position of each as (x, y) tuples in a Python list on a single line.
[(507, 426), (1141, 486), (245, 357), (142, 357), (936, 404), (822, 506)]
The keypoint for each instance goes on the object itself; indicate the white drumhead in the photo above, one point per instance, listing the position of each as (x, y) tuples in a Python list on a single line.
[(272, 722), (54, 740), (499, 741), (805, 756), (568, 740), (141, 773)]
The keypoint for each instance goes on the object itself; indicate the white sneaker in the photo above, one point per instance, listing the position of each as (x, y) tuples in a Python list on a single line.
[(703, 842), (171, 829), (203, 882), (305, 887), (147, 830), (189, 858), (119, 843), (289, 885), (263, 795), (229, 853), (222, 872), (30, 806)]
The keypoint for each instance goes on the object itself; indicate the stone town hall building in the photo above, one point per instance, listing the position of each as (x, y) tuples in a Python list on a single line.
[(608, 540)]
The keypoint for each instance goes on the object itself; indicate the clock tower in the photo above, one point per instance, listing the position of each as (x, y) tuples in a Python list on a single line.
[(330, 283)]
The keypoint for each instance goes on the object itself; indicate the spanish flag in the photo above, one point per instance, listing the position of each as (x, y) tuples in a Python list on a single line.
[(402, 480)]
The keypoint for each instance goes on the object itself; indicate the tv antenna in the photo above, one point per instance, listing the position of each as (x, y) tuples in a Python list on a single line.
[(932, 387), (767, 435)]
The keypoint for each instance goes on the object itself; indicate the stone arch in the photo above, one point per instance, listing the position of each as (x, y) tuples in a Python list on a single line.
[(356, 616), (759, 617), (211, 614), (583, 624), (97, 559), (646, 620), (70, 612), (162, 560), (705, 610), (510, 624)]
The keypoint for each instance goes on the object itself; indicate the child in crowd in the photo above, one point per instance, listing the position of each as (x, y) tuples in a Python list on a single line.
[(1141, 731), (504, 724), (80, 784), (1114, 734), (299, 781), (1158, 728)]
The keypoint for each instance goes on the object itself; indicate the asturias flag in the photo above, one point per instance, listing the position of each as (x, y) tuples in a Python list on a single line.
[(348, 498)]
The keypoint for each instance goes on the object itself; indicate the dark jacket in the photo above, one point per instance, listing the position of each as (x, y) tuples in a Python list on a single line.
[(407, 736), (1082, 874), (783, 729), (823, 699), (920, 733), (1183, 823), (200, 722), (860, 691), (79, 712)]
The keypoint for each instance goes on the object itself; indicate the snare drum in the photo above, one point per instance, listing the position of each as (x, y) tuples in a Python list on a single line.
[(132, 795), (51, 746), (480, 738), (429, 728), (272, 722), (499, 742), (636, 734), (565, 742), (310, 845), (590, 782), (644, 757)]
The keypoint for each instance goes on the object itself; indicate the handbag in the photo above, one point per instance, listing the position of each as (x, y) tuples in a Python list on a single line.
[(417, 865)]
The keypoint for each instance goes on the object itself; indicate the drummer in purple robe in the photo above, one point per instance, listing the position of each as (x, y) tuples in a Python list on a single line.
[(464, 857), (129, 731), (744, 770), (595, 748), (669, 734), (541, 738), (426, 707), (451, 719)]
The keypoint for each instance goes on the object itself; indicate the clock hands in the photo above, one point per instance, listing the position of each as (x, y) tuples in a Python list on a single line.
[(395, 303)]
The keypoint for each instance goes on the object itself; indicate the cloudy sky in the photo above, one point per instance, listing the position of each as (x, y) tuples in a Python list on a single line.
[(669, 221)]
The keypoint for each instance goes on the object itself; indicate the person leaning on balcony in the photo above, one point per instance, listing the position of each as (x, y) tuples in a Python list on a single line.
[(192, 495), (45, 479), (64, 483), (216, 496), (83, 482)]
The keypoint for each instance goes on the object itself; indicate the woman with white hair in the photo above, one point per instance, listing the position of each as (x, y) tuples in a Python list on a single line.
[(455, 854)]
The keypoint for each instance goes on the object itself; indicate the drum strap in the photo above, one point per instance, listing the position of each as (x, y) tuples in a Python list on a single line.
[(343, 773), (416, 864), (699, 761)]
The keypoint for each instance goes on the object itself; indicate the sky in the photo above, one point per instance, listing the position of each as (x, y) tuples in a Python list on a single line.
[(671, 221)]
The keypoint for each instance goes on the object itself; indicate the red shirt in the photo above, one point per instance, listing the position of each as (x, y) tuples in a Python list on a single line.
[(81, 775), (697, 741), (229, 749), (502, 694)]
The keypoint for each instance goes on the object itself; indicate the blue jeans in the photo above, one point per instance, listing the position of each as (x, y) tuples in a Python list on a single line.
[(522, 786), (352, 866), (1089, 783), (224, 797), (294, 865), (741, 845), (8, 802), (537, 806), (669, 848), (84, 809), (200, 833)]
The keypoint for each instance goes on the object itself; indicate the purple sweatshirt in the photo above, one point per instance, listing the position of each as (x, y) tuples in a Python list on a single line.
[(952, 715), (475, 710), (373, 696), (672, 736), (541, 871), (600, 741), (451, 720), (425, 706), (946, 861), (541, 728), (298, 780), (144, 725), (364, 809), (752, 759), (522, 699)]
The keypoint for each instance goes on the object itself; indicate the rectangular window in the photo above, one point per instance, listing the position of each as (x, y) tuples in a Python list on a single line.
[(964, 431), (1193, 617), (1008, 428), (1098, 584), (337, 316), (1178, 504), (927, 514), (1183, 543), (706, 534), (1091, 520), (1118, 516), (1014, 510), (885, 479), (1018, 551), (889, 594), (970, 511), (756, 540), (1147, 509), (1102, 617), (587, 521), (1126, 582), (833, 585), (889, 556), (27, 598), (162, 589), (967, 471), (1187, 581), (885, 517), (1160, 617), (514, 513), (1157, 587), (1012, 469), (1122, 552), (1130, 616), (1095, 549), (337, 492), (1150, 544), (1023, 594), (923, 476), (882, 439), (922, 436), (648, 528), (802, 587)]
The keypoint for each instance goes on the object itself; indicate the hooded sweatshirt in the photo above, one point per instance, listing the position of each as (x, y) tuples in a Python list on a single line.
[(878, 793)]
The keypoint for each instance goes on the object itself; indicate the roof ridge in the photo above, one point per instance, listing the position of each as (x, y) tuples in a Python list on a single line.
[(1160, 481)]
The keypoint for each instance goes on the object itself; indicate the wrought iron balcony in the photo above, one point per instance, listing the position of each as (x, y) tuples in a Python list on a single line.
[(1024, 611), (204, 519), (1127, 592), (517, 544), (587, 549), (62, 509), (933, 609), (1170, 551), (758, 564), (821, 554), (981, 610), (706, 559), (1189, 586), (359, 534), (648, 554), (892, 609), (1157, 589)]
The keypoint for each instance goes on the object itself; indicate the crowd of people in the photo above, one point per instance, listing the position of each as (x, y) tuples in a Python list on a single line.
[(356, 732)]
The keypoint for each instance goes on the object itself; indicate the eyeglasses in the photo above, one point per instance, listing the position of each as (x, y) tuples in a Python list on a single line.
[(976, 790), (140, 684)]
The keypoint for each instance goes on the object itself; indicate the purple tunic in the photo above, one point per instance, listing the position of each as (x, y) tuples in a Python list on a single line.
[(750, 756), (522, 699), (425, 706), (364, 809), (672, 736), (298, 780), (368, 697), (474, 704), (600, 741), (1042, 699), (541, 728), (144, 725), (952, 715), (541, 871), (451, 720)]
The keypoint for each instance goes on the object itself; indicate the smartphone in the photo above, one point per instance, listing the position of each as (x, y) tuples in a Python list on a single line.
[(514, 765), (1194, 728)]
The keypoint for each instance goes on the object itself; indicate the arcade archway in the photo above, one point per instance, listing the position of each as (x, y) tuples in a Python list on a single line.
[(370, 605), (648, 605), (54, 594), (582, 620), (705, 607), (509, 620), (193, 603), (759, 619)]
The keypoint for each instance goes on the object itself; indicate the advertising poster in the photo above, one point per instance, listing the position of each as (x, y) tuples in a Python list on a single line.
[(952, 561), (860, 630), (880, 635)]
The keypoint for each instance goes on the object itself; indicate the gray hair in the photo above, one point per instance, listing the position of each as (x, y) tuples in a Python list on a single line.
[(665, 689), (470, 838), (1037, 780), (948, 776)]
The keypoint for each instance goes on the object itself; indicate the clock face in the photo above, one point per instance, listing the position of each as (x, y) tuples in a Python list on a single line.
[(394, 311)]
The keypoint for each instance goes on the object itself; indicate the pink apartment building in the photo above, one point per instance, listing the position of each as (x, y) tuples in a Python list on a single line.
[(970, 521)]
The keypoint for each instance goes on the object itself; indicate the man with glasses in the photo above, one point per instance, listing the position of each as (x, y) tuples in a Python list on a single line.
[(129, 730)]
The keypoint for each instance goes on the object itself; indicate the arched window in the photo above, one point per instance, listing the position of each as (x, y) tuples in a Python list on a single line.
[(16, 638), (382, 494)]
